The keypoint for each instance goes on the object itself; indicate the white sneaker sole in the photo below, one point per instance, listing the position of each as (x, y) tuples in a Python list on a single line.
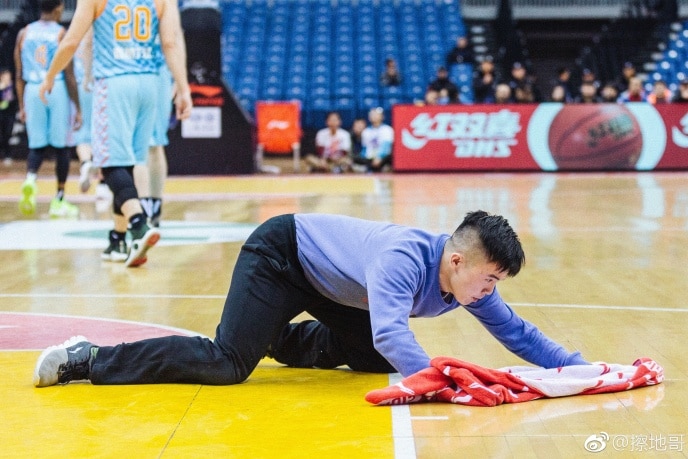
[(49, 367), (139, 247)]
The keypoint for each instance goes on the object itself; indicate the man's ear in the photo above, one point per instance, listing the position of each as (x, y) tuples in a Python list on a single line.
[(457, 259)]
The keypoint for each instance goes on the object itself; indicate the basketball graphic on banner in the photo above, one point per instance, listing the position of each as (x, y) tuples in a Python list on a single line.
[(605, 136)]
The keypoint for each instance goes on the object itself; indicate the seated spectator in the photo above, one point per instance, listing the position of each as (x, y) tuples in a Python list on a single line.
[(503, 94), (356, 132), (558, 94), (391, 75), (608, 93), (588, 76), (442, 82), (682, 93), (627, 72), (527, 90), (431, 97), (634, 93), (484, 82), (564, 81), (588, 93), (333, 146), (660, 93), (461, 53), (376, 140)]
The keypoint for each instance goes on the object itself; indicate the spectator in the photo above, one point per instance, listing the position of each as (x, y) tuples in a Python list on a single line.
[(634, 93), (333, 146), (503, 94), (682, 93), (461, 53), (588, 93), (564, 81), (377, 140), (391, 75), (522, 85), (356, 132), (484, 82), (431, 98), (660, 93), (558, 94), (627, 72), (8, 111), (609, 94), (443, 85), (588, 76)]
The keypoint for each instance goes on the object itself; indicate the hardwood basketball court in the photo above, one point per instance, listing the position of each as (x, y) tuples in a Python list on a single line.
[(605, 274)]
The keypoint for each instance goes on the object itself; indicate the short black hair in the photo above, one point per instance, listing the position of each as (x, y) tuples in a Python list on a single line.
[(47, 6), (500, 242)]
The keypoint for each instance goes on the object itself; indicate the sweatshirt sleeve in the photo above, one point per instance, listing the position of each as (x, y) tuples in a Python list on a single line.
[(391, 287), (520, 336)]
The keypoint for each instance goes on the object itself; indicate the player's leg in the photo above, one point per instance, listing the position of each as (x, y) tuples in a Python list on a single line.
[(37, 136), (83, 140), (59, 128)]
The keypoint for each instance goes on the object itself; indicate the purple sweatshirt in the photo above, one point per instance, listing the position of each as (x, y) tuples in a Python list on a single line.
[(393, 272)]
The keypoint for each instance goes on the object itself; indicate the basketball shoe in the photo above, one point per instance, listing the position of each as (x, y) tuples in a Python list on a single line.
[(60, 208), (69, 361), (117, 250), (142, 240), (27, 203)]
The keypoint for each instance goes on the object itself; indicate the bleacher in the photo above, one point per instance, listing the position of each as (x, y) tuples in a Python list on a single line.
[(329, 54), (672, 65)]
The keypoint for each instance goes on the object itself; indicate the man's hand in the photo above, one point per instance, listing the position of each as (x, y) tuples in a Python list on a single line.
[(183, 103), (45, 88)]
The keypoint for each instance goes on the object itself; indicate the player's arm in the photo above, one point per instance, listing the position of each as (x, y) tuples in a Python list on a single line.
[(18, 78), (87, 59), (73, 91), (174, 49), (84, 14), (520, 336)]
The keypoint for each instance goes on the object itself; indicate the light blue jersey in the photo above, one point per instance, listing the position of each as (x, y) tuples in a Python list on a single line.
[(41, 39), (125, 35)]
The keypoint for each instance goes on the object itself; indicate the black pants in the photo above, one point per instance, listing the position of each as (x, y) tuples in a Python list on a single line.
[(267, 290)]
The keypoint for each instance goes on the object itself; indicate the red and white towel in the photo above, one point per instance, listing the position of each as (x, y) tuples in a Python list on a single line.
[(455, 381)]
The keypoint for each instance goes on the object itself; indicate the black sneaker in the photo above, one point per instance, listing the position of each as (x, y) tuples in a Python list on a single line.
[(69, 361), (142, 240), (116, 251)]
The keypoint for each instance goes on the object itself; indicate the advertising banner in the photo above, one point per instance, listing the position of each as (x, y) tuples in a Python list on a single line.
[(545, 137)]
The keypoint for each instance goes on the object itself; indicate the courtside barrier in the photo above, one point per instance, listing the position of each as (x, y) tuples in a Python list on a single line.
[(540, 137)]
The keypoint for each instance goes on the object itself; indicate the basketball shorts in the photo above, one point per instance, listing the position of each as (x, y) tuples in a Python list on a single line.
[(123, 117), (162, 118), (47, 124)]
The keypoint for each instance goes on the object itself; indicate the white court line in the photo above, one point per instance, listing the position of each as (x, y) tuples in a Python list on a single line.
[(595, 306), (110, 295), (402, 430)]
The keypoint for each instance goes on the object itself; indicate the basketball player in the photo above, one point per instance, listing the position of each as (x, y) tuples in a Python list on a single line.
[(361, 280), (47, 124), (125, 69)]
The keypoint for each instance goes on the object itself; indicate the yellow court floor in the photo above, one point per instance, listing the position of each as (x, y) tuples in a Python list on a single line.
[(606, 274)]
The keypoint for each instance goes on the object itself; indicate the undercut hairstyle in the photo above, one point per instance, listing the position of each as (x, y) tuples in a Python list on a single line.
[(47, 6), (499, 241)]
